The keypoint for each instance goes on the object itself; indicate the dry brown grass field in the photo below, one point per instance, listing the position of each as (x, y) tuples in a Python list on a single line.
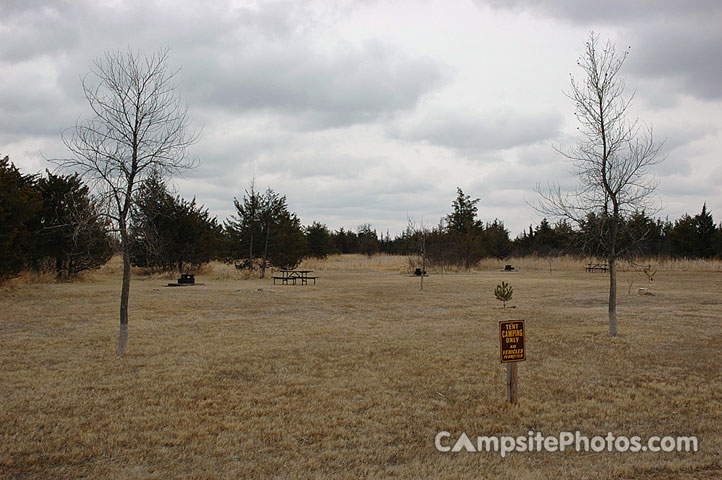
[(354, 377)]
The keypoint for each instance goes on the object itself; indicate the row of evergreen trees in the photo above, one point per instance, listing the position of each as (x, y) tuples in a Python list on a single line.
[(641, 236), (462, 239), (52, 223), (49, 223)]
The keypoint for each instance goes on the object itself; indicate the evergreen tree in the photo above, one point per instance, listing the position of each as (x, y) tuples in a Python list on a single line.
[(546, 239), (706, 230), (169, 232), (504, 292), (19, 203), (544, 242), (318, 240), (463, 218), (437, 246), (495, 239), (345, 241), (643, 235), (289, 241), (523, 244), (70, 229), (465, 230), (152, 225), (565, 237), (717, 242), (197, 236), (264, 230), (694, 237), (272, 210), (368, 240), (683, 237), (244, 229)]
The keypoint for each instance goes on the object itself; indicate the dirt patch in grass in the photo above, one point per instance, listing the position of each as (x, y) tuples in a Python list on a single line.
[(354, 376)]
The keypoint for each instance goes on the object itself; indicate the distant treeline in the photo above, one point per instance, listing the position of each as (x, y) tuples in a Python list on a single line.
[(52, 223)]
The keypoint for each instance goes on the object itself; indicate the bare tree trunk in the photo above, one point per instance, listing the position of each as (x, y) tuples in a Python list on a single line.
[(123, 339), (612, 262), (612, 297), (423, 255), (124, 294)]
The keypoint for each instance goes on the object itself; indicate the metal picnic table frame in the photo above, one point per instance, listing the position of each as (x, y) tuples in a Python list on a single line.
[(293, 276)]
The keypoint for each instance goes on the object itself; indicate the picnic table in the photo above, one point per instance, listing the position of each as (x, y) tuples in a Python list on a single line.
[(293, 276), (597, 267)]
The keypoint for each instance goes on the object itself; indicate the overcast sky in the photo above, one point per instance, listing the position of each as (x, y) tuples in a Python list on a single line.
[(373, 112)]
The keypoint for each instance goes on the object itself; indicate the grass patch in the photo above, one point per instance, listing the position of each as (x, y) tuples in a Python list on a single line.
[(354, 376)]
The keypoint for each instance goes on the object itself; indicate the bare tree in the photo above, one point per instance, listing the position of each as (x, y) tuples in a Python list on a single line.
[(612, 160), (138, 125), (418, 236)]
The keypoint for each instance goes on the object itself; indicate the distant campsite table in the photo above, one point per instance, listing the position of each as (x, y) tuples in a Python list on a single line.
[(293, 276), (597, 267)]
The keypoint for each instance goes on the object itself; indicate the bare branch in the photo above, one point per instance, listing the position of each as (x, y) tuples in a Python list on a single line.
[(614, 156)]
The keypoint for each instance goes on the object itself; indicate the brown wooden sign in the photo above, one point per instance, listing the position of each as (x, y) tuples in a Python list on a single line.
[(511, 341)]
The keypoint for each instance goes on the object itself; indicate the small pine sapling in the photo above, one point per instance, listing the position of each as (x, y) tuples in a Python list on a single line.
[(503, 293)]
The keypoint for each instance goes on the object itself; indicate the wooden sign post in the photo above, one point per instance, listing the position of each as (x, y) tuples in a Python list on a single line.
[(512, 394), (511, 350)]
